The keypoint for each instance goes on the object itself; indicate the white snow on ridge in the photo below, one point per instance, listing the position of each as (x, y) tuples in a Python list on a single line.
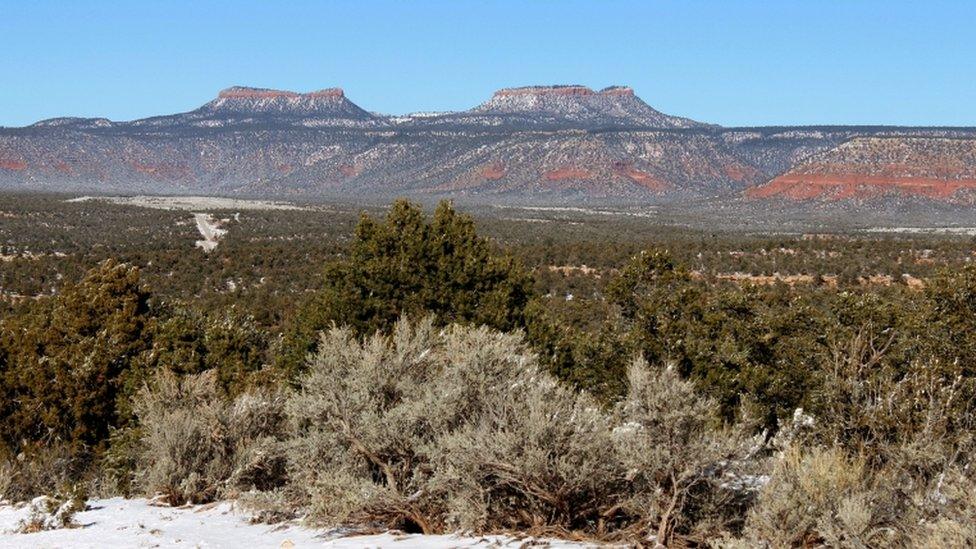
[(118, 522)]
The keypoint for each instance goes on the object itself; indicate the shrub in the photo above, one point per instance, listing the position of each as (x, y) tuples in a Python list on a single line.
[(537, 457), (915, 416), (36, 471), (34, 478), (52, 513), (950, 520), (362, 421), (684, 464), (821, 497), (887, 461), (952, 294), (196, 445), (429, 429), (409, 266), (6, 480)]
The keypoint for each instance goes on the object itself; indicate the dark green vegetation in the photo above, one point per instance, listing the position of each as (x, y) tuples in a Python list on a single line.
[(871, 336), (407, 266)]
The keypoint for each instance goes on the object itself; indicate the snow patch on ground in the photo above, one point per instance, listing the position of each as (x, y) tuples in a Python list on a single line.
[(645, 212), (210, 230), (190, 202), (966, 231), (119, 522)]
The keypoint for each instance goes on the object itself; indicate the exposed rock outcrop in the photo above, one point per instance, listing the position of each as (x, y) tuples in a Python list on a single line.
[(870, 168)]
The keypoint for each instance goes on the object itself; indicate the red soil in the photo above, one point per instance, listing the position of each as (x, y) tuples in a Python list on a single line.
[(843, 186), (567, 173), (737, 172), (493, 172), (15, 165), (642, 178)]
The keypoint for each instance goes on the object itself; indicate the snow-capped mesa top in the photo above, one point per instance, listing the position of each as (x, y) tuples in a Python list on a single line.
[(73, 122), (612, 106), (330, 102), (240, 106)]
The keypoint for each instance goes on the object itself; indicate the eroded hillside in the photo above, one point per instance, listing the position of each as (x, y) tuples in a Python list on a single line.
[(868, 168), (541, 144)]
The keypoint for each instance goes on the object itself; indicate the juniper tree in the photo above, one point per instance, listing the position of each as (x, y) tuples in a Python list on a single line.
[(409, 265), (70, 360)]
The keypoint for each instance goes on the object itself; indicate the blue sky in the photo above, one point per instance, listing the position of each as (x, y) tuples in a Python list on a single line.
[(727, 62)]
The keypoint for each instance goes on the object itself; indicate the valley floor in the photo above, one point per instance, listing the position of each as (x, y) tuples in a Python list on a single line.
[(118, 522)]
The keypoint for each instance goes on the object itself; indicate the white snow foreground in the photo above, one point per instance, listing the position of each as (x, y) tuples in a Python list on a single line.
[(119, 522)]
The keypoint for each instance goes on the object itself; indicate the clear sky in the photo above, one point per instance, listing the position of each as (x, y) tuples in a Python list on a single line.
[(728, 62)]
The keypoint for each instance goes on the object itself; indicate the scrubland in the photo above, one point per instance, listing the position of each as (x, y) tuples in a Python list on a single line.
[(404, 372)]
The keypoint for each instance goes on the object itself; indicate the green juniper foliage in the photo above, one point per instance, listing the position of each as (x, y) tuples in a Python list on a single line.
[(69, 362), (228, 342), (408, 264)]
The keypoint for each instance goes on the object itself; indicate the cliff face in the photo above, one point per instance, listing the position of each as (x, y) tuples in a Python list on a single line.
[(541, 144), (867, 168)]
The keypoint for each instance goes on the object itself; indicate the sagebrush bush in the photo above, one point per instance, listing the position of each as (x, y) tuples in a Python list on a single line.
[(51, 513), (822, 497), (458, 428), (917, 415), (6, 480), (534, 455), (434, 429), (196, 445), (685, 464), (43, 471), (949, 516), (364, 420), (887, 461)]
